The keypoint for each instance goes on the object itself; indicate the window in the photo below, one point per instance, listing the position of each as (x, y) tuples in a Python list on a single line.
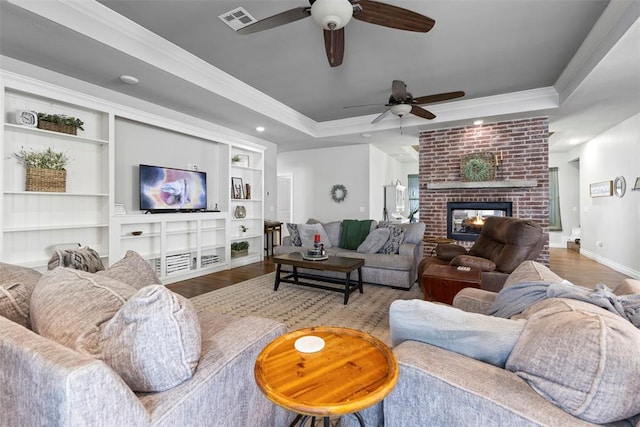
[(555, 223)]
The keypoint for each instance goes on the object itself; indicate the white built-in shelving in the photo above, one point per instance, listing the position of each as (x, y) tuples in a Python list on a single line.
[(178, 245)]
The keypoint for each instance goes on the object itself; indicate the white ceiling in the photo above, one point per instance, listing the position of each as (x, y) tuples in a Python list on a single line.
[(577, 61)]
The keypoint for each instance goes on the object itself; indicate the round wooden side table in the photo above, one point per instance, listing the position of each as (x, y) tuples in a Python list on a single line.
[(353, 371)]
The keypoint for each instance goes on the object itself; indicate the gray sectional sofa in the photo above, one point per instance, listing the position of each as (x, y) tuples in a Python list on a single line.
[(398, 269), (57, 375), (573, 364)]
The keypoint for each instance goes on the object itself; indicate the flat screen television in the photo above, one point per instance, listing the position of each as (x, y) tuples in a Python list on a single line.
[(169, 190)]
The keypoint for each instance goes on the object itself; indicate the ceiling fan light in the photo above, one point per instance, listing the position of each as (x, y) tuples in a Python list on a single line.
[(400, 109), (331, 14)]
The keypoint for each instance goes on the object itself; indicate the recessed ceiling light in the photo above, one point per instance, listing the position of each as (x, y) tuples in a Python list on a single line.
[(365, 135), (478, 122), (130, 80), (260, 128)]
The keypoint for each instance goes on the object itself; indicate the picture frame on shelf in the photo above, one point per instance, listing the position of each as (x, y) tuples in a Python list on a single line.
[(244, 161), (601, 189), (237, 188), (636, 186)]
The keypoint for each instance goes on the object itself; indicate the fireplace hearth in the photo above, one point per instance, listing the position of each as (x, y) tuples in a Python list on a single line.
[(465, 219)]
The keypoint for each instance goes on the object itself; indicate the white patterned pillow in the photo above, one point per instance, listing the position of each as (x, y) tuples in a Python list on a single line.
[(151, 337), (294, 234), (85, 259), (396, 235)]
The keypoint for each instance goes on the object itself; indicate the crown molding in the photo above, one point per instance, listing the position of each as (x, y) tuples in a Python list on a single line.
[(102, 24), (522, 102)]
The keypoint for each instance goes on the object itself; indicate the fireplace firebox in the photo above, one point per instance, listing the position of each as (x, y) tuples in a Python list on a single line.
[(465, 219)]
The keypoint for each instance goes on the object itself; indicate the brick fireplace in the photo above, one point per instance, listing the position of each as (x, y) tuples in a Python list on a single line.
[(521, 178)]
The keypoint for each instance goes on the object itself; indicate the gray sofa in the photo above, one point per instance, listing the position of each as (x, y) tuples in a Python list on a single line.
[(573, 364), (398, 270), (46, 383)]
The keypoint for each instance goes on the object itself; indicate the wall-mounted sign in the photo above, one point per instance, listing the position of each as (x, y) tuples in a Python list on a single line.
[(601, 189)]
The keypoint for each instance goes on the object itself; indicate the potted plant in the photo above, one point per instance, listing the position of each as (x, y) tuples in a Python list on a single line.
[(45, 169), (235, 159), (59, 123), (239, 249), (412, 215)]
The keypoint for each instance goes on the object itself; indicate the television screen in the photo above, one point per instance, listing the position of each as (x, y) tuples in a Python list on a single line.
[(168, 189)]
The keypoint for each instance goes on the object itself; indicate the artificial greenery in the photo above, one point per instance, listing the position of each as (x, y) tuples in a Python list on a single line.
[(476, 170), (239, 246), (235, 158), (61, 119), (47, 159)]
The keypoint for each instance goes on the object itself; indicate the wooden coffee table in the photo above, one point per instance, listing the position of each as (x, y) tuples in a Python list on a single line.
[(333, 263), (442, 282), (352, 372)]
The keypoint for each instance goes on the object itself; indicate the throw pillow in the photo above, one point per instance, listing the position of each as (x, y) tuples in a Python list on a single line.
[(577, 356), (85, 259), (90, 313), (354, 232), (16, 286), (307, 234), (473, 261), (374, 241), (153, 342), (333, 229), (293, 233), (485, 338), (133, 270), (396, 235)]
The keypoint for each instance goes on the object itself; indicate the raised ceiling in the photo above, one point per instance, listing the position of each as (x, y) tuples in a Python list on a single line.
[(512, 58)]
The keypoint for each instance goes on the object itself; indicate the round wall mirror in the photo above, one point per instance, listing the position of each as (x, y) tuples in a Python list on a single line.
[(619, 186)]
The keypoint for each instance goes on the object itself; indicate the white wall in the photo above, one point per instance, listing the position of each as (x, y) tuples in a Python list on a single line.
[(362, 169), (611, 225), (569, 187), (316, 171)]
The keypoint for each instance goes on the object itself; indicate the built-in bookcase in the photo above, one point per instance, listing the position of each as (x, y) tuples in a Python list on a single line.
[(178, 246)]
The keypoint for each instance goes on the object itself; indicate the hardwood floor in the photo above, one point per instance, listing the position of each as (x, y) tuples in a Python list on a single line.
[(570, 265)]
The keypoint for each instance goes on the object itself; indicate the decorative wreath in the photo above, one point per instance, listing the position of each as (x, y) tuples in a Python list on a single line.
[(338, 193), (476, 170)]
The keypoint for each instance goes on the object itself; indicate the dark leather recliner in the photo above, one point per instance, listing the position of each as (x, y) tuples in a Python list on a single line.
[(504, 243)]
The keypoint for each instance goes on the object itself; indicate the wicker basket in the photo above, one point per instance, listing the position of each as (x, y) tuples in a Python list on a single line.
[(238, 254), (49, 180), (57, 127), (478, 167)]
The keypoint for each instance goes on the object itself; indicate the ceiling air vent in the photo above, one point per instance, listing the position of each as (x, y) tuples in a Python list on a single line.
[(237, 18)]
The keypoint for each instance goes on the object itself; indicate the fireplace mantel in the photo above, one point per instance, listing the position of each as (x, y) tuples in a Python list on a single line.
[(511, 183)]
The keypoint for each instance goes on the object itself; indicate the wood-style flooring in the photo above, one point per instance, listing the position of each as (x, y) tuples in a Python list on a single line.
[(568, 264)]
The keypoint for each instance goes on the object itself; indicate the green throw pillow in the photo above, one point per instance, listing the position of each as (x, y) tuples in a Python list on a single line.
[(354, 232)]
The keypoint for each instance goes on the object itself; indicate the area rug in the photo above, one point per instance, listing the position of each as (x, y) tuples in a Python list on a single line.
[(301, 306)]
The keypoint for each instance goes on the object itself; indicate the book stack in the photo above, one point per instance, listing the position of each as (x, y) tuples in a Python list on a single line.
[(178, 262), (208, 260)]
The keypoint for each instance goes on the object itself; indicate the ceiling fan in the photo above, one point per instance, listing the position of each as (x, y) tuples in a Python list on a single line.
[(402, 102), (333, 15)]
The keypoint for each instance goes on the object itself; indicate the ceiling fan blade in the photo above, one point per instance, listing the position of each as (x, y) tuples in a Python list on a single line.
[(399, 90), (283, 18), (437, 98), (386, 15), (334, 46), (381, 116), (421, 112)]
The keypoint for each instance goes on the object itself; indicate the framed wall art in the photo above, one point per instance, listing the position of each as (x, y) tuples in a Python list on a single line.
[(636, 186), (237, 188), (601, 189)]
